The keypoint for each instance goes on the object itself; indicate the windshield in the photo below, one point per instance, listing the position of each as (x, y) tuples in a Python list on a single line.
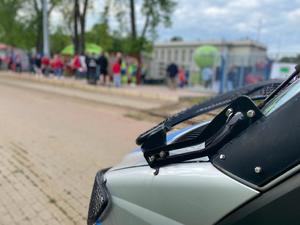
[(282, 98)]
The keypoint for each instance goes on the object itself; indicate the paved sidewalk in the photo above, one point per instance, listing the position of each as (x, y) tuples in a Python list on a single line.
[(149, 92), (50, 150)]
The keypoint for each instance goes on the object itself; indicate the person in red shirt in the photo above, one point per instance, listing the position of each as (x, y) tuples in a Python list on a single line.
[(116, 69), (76, 66), (181, 76), (57, 66), (45, 65)]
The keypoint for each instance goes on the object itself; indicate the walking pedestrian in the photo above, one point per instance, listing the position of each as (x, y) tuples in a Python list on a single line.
[(172, 72), (116, 69)]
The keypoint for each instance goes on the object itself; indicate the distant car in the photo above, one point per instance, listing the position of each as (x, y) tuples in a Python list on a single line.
[(241, 168)]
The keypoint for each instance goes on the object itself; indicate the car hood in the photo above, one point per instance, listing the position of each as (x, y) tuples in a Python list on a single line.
[(136, 157)]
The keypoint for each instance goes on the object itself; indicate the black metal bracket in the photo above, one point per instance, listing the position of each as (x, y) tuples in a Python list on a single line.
[(156, 136), (240, 114)]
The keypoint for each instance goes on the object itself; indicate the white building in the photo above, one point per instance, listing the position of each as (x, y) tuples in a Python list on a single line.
[(240, 53)]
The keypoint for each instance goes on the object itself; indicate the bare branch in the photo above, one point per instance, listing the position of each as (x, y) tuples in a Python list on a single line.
[(146, 24)]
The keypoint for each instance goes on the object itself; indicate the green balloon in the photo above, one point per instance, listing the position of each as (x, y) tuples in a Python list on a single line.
[(206, 56)]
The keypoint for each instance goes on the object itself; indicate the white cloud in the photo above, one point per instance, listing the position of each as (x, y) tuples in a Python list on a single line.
[(215, 11), (275, 20)]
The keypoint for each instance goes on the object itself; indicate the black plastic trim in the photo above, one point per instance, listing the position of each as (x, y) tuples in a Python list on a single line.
[(100, 199), (278, 206), (269, 144)]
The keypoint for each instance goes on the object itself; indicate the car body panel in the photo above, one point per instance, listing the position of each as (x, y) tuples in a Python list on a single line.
[(183, 193)]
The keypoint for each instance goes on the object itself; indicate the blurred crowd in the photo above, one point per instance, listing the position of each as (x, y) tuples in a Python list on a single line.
[(233, 76), (105, 69)]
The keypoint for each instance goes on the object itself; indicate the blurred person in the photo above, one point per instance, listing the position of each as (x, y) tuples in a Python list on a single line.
[(83, 67), (132, 71), (124, 75), (38, 64), (76, 65), (103, 64), (58, 66), (144, 73), (172, 73), (45, 65), (91, 63), (11, 62), (31, 57), (207, 75), (116, 69), (187, 77), (18, 63), (232, 78), (1, 63), (181, 77)]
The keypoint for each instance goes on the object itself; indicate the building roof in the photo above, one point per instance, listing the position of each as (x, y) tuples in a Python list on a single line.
[(211, 42)]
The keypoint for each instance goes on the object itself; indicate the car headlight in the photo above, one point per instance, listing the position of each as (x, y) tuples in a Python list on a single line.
[(100, 199)]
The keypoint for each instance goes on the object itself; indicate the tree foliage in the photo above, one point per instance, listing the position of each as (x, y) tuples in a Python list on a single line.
[(13, 31), (59, 40), (290, 59), (21, 24)]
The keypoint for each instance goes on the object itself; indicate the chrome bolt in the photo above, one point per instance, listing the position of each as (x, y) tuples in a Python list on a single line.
[(152, 158), (162, 154), (251, 113), (229, 112), (258, 169), (222, 157)]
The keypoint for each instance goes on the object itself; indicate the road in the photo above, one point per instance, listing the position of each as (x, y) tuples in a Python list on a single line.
[(51, 146)]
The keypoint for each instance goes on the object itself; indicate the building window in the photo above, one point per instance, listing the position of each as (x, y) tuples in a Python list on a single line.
[(176, 55), (162, 55), (169, 54), (183, 55), (156, 53), (191, 54)]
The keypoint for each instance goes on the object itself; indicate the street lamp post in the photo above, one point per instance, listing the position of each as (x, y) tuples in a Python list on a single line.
[(45, 28)]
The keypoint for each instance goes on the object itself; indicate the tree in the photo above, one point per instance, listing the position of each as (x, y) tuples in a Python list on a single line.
[(13, 29), (35, 18), (8, 14), (100, 35), (59, 40), (290, 59), (80, 11), (155, 12)]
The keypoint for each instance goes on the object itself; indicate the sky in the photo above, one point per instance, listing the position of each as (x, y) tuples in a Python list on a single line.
[(271, 22)]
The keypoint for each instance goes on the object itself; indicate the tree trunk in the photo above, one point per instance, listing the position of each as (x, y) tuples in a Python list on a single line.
[(76, 36), (82, 36), (137, 55), (82, 18), (132, 19)]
